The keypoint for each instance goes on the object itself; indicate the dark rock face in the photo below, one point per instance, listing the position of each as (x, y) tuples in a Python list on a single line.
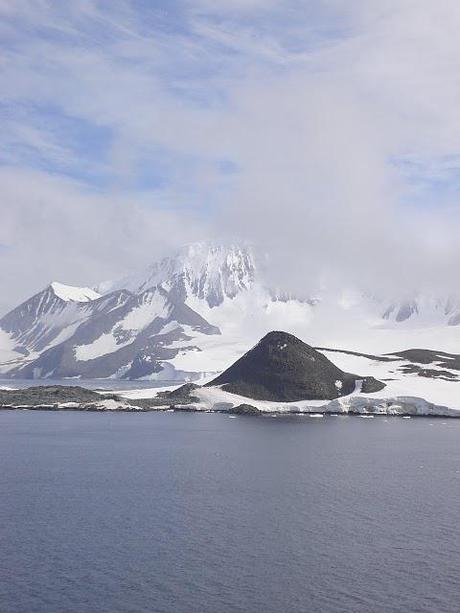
[(180, 392), (371, 385), (184, 408), (429, 373), (51, 395), (282, 368), (244, 409), (181, 395), (427, 356)]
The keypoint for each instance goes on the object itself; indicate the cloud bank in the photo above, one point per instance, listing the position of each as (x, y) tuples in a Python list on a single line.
[(326, 132)]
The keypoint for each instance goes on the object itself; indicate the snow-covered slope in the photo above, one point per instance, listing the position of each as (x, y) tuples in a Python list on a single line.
[(209, 272), (46, 319), (417, 382), (197, 312), (424, 311), (121, 334), (69, 293), (391, 401)]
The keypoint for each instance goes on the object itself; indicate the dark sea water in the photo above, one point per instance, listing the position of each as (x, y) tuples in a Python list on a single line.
[(200, 513)]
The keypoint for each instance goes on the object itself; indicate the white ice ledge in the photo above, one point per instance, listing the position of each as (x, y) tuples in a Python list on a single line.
[(214, 398), (69, 293)]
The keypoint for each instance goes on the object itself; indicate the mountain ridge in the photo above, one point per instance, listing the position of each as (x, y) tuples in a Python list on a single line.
[(192, 314)]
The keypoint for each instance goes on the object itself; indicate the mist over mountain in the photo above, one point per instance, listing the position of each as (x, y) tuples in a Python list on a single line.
[(334, 149), (199, 309)]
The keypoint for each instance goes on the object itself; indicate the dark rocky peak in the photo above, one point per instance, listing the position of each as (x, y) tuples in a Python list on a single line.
[(283, 368)]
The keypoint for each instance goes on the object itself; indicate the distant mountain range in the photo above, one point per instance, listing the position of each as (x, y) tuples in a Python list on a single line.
[(194, 313)]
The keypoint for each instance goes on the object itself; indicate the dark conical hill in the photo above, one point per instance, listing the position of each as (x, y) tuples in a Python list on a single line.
[(283, 368)]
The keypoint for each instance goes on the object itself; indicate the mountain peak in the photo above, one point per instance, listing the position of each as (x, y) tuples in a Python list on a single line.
[(70, 293), (279, 337), (282, 368), (210, 271)]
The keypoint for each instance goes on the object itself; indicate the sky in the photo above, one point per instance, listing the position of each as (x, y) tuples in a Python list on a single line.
[(325, 132)]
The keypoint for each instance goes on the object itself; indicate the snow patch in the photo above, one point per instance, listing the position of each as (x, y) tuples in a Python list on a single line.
[(104, 344), (355, 403), (152, 306), (69, 293), (7, 345)]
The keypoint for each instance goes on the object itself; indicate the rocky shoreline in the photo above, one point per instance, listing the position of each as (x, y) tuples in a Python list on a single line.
[(64, 397), (186, 399)]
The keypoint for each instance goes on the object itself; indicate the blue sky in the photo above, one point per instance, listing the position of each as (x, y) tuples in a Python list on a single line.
[(131, 127)]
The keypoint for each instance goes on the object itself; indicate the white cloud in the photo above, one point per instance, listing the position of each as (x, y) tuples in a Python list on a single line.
[(55, 229), (314, 104)]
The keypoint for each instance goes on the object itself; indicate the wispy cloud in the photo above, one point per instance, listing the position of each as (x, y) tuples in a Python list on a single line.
[(333, 117)]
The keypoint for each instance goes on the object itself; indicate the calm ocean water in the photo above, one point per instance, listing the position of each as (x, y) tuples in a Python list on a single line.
[(200, 513)]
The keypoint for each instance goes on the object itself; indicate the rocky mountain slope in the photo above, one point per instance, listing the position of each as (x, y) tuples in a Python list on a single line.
[(282, 368), (120, 334), (195, 312), (206, 271)]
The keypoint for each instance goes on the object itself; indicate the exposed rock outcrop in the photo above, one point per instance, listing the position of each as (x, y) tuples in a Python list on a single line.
[(282, 368)]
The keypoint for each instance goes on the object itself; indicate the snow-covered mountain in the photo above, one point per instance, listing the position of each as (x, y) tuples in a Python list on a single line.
[(209, 272), (46, 319), (198, 311), (425, 310), (119, 334)]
